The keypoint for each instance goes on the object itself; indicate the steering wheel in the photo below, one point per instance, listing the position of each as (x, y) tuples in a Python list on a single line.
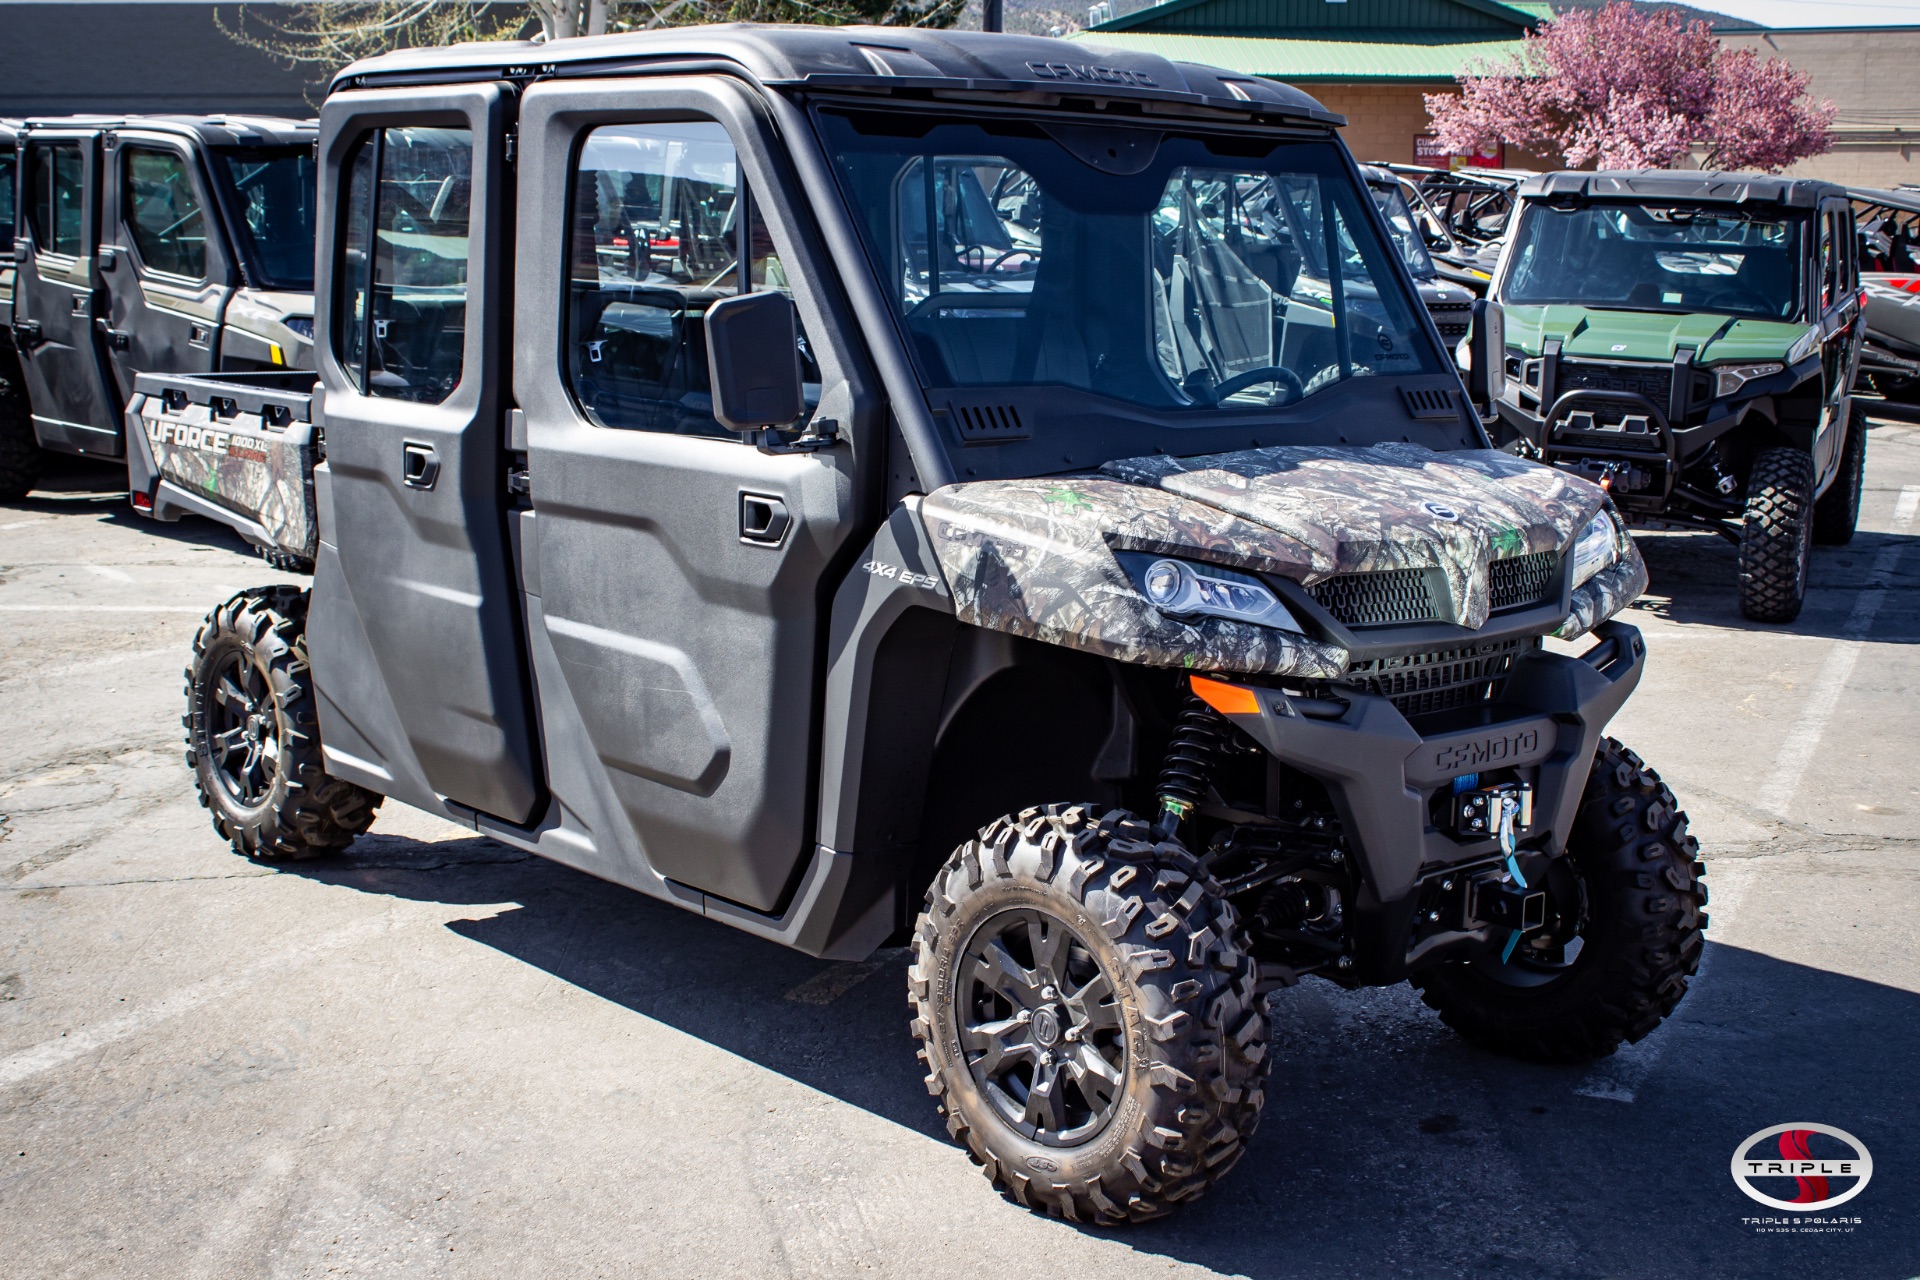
[(1254, 377), (967, 251)]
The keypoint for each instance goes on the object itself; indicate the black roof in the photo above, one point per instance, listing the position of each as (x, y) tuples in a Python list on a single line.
[(212, 131), (1684, 184), (869, 59)]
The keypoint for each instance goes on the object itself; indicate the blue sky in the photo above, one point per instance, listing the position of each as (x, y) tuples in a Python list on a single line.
[(1819, 13)]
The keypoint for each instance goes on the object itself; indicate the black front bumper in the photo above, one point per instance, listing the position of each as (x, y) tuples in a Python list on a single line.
[(1383, 774)]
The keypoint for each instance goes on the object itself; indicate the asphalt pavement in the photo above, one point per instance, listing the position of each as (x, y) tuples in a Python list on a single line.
[(439, 1057)]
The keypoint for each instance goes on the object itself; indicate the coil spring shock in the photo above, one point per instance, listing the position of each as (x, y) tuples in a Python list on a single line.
[(1199, 739)]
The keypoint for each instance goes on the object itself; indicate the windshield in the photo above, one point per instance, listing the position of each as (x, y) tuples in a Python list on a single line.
[(1406, 236), (272, 193), (1174, 271), (1658, 258)]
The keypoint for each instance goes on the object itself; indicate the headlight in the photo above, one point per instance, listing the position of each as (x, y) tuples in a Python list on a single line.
[(1728, 380), (1183, 590), (1597, 547)]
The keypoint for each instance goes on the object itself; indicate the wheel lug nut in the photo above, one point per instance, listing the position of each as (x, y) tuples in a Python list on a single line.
[(1046, 993)]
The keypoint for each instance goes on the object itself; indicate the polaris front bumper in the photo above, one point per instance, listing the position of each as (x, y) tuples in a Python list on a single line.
[(1391, 786)]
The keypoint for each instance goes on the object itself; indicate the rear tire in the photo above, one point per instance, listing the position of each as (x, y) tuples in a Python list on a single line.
[(20, 455), (253, 735), (1838, 511), (1776, 540), (1642, 905), (1086, 1011)]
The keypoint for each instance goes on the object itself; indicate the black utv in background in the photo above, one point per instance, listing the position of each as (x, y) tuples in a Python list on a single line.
[(1449, 303), (866, 484), (144, 244)]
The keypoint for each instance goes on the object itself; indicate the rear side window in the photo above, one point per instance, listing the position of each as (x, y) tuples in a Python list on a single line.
[(162, 212), (56, 197), (657, 215), (6, 197), (400, 319)]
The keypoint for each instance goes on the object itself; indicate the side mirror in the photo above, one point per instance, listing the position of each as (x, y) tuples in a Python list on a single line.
[(753, 361), (1486, 355)]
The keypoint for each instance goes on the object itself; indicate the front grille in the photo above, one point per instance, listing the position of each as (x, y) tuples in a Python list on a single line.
[(1453, 319), (1378, 598), (1441, 680), (1654, 381), (1521, 580)]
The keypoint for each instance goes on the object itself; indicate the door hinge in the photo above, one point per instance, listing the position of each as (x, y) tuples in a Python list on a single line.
[(513, 145), (518, 481)]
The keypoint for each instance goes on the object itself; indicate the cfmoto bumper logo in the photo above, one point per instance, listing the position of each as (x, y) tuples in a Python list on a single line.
[(1823, 1165)]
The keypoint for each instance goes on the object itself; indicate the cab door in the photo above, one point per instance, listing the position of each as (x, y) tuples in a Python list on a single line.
[(166, 277), (674, 572), (1840, 331), (414, 626), (56, 288)]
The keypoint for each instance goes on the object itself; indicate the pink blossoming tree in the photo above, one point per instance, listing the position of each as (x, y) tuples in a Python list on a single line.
[(1635, 90)]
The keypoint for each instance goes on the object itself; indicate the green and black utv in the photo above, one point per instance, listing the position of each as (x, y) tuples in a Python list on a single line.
[(1689, 341)]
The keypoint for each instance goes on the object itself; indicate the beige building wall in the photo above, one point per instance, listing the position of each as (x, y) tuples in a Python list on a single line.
[(1384, 119), (1873, 77)]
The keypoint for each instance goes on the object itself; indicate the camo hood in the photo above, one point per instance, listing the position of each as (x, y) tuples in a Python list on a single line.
[(1036, 557)]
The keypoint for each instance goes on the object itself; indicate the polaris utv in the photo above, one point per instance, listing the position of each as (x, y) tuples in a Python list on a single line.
[(864, 484), (1689, 341), (144, 244)]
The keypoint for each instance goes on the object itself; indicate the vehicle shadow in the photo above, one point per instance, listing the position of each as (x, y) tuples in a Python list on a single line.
[(1388, 1145), (1693, 580), (72, 485)]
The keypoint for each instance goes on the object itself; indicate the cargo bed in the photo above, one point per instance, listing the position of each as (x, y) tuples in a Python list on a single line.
[(238, 448)]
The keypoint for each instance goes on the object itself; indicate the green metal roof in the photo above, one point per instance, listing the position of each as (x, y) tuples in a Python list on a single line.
[(1283, 59)]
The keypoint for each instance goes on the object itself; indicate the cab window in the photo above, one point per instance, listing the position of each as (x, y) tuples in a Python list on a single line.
[(401, 311), (162, 212), (661, 227), (56, 197), (6, 198), (1832, 270)]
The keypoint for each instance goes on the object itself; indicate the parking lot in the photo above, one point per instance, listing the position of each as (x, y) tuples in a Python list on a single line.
[(438, 1056)]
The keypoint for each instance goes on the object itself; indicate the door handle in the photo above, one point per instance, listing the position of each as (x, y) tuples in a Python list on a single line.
[(117, 339), (419, 465), (199, 335), (27, 332), (763, 519)]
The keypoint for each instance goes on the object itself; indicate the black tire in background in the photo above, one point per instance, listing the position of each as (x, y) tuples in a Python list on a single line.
[(1630, 893), (1086, 1010), (20, 455), (1776, 539), (1837, 512), (253, 736)]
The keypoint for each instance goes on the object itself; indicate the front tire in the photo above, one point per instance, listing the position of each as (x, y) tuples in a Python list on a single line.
[(1632, 899), (20, 455), (253, 734), (1776, 538), (1087, 1014), (1838, 511)]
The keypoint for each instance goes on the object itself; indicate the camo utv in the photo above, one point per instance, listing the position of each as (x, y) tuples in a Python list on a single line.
[(866, 484), (1689, 342)]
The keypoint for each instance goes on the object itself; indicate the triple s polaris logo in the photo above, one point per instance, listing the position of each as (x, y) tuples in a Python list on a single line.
[(1823, 1167)]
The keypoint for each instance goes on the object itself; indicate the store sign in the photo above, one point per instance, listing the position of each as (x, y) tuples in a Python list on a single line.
[(1428, 151)]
